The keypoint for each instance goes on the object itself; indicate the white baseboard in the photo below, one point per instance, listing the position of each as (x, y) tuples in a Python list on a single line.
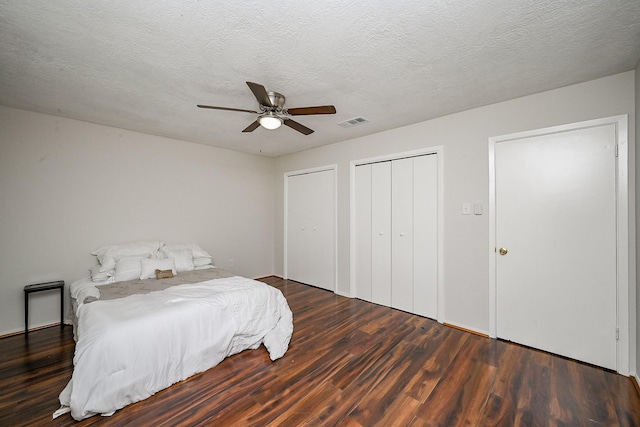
[(466, 328), (636, 382), (342, 294)]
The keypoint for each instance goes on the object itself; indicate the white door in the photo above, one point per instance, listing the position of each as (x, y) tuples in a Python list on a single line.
[(310, 229), (322, 207), (402, 234), (425, 236), (363, 263), (297, 234), (556, 223), (381, 233), (396, 233)]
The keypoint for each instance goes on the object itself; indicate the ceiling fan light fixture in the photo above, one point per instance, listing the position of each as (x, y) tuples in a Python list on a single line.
[(270, 121)]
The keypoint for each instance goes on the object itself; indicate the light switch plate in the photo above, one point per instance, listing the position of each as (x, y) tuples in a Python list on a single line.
[(477, 209), (466, 208)]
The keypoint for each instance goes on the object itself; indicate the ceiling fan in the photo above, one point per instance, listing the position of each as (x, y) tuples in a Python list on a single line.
[(272, 113)]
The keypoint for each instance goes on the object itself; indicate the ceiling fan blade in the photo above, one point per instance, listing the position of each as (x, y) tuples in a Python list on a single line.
[(297, 126), (260, 93), (227, 109), (305, 111), (253, 126)]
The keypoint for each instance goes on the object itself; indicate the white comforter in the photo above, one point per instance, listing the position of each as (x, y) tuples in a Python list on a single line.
[(130, 348)]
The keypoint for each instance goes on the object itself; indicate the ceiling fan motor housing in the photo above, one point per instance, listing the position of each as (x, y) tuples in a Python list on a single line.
[(277, 100)]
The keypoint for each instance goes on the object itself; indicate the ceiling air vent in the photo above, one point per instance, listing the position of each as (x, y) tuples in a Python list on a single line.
[(353, 122)]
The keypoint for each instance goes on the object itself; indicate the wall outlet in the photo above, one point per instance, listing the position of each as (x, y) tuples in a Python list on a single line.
[(231, 262)]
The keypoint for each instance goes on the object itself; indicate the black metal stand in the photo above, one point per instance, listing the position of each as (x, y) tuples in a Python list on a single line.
[(39, 287)]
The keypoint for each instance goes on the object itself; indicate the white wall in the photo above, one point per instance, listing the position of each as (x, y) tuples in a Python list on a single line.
[(464, 137), (634, 369), (68, 187)]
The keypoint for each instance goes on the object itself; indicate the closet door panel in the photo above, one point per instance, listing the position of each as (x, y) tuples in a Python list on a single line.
[(312, 251), (381, 236), (310, 229), (296, 229), (425, 244), (363, 232), (322, 229), (402, 234)]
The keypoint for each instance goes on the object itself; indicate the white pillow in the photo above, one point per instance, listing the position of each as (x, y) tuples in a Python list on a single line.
[(198, 252), (149, 267), (199, 262), (99, 276), (109, 255), (128, 268), (182, 257)]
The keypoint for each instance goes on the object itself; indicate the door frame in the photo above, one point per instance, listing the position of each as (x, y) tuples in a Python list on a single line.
[(625, 303), (439, 151), (334, 168)]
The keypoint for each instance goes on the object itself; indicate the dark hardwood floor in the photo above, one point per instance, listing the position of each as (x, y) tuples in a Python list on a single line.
[(350, 363)]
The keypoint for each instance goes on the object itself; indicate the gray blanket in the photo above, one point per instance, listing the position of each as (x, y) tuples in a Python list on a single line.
[(132, 287)]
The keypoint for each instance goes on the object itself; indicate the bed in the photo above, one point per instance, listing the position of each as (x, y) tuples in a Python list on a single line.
[(136, 337)]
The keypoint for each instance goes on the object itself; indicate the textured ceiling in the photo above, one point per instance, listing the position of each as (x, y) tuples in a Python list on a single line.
[(144, 65)]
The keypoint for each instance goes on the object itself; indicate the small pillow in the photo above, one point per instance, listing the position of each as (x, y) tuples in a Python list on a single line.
[(198, 252), (99, 276), (164, 274), (199, 262), (109, 255), (127, 268), (149, 267), (183, 258)]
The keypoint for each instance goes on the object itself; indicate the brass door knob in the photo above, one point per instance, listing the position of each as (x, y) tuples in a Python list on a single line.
[(503, 251)]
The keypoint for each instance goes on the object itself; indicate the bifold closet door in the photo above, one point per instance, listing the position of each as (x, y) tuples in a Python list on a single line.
[(402, 258), (396, 245), (363, 232), (296, 229), (310, 229), (414, 242), (381, 233), (425, 236), (322, 211)]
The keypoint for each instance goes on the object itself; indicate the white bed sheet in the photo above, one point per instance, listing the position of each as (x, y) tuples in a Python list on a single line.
[(130, 348)]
